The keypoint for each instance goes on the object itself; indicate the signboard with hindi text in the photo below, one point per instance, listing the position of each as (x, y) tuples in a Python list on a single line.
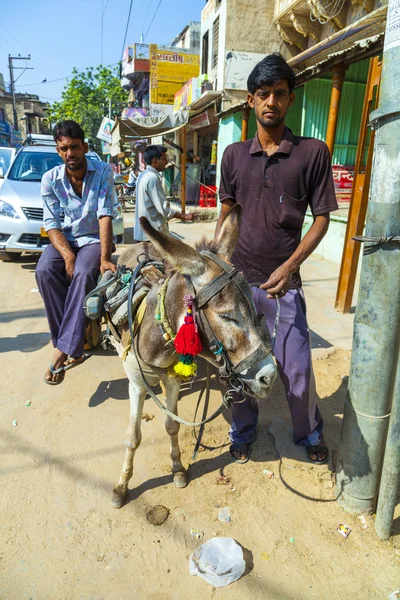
[(169, 71)]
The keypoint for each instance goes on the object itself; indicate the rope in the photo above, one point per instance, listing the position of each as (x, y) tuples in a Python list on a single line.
[(361, 414), (389, 239)]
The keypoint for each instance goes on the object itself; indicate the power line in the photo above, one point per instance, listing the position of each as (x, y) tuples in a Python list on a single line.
[(126, 30), (154, 16), (145, 16), (43, 82)]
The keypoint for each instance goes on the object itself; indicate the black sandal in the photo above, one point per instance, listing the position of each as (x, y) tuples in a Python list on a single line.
[(322, 449), (243, 449)]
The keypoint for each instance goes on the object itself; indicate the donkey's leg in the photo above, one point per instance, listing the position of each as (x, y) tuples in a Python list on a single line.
[(172, 386), (137, 395)]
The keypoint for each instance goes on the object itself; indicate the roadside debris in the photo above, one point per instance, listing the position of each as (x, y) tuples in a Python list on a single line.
[(157, 515), (28, 402), (363, 521), (224, 514), (218, 561), (344, 530), (197, 534), (292, 540), (15, 423), (146, 417), (394, 595), (264, 555), (223, 480), (34, 290), (268, 473)]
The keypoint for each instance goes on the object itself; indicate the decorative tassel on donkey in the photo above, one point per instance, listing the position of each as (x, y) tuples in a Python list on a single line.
[(187, 341)]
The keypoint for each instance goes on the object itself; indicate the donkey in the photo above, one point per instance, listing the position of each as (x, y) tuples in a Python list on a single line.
[(229, 314)]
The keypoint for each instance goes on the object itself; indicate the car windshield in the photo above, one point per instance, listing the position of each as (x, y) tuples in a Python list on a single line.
[(5, 159), (30, 166)]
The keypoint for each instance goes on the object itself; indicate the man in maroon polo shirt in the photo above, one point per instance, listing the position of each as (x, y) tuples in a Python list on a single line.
[(274, 177)]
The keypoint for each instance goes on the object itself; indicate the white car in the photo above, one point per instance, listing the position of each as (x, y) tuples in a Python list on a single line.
[(21, 207), (6, 157)]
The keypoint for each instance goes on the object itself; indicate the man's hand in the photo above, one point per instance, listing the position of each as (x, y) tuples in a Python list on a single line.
[(278, 283), (188, 217), (107, 265), (70, 265)]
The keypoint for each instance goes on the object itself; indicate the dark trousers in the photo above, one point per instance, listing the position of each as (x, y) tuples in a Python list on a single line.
[(293, 357), (63, 299)]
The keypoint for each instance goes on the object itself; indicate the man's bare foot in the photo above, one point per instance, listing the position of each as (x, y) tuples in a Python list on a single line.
[(240, 452), (318, 454), (73, 361), (57, 362)]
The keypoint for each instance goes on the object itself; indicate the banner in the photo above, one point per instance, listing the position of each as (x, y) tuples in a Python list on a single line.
[(186, 95), (169, 71), (104, 132)]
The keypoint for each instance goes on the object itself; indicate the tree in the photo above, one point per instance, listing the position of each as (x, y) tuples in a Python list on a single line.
[(86, 96)]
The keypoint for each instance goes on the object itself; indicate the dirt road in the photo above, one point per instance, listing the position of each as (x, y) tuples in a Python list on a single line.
[(61, 540)]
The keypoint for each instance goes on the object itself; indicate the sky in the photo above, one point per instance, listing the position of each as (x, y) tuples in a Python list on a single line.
[(61, 35)]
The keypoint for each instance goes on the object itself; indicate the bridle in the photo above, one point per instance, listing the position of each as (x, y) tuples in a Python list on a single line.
[(231, 374)]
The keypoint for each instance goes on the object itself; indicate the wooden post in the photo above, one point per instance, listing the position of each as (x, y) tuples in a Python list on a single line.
[(183, 171), (359, 195), (337, 83), (245, 123)]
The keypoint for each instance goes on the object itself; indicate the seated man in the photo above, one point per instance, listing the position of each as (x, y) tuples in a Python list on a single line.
[(68, 268), (34, 171)]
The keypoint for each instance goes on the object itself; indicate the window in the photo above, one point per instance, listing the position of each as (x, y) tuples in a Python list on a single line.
[(204, 56), (215, 41)]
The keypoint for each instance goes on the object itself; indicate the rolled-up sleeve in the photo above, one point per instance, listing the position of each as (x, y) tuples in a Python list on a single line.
[(106, 199), (51, 205), (227, 189), (157, 196)]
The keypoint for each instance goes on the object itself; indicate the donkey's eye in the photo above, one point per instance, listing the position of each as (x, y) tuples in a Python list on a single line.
[(230, 319)]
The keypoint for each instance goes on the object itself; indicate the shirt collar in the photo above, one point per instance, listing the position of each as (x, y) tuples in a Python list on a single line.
[(285, 147), (62, 174), (153, 170)]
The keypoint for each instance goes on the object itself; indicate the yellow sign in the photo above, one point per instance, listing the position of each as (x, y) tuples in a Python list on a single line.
[(169, 71)]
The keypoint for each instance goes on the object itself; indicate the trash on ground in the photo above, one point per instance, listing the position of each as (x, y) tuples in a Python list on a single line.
[(28, 402), (344, 530), (218, 561), (147, 417), (223, 480), (292, 540), (157, 515), (363, 521), (268, 473), (197, 534), (224, 514), (15, 423), (264, 555), (394, 595), (34, 290)]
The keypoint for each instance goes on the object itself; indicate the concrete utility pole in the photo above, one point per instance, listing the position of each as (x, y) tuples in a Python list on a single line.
[(12, 83), (372, 393)]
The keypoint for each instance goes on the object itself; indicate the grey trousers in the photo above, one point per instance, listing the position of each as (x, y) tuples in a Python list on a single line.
[(293, 357), (63, 299)]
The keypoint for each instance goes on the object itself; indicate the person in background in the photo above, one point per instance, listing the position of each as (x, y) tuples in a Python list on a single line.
[(151, 201)]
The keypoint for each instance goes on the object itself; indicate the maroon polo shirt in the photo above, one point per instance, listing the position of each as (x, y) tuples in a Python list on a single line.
[(274, 192)]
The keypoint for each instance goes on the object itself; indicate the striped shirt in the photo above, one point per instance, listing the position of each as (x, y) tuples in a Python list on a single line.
[(81, 222), (151, 203)]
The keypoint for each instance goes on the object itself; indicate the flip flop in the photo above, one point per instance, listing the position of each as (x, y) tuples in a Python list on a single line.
[(322, 449), (72, 362), (54, 371), (244, 449)]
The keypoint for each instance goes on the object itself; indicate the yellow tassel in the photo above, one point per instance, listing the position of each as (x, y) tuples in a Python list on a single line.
[(185, 370)]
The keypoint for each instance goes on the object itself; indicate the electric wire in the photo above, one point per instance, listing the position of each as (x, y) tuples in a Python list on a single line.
[(126, 29), (154, 16)]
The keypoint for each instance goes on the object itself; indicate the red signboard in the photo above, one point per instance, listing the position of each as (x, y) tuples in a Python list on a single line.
[(343, 176)]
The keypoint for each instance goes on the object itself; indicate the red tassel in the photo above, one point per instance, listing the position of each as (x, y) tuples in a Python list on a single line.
[(187, 339)]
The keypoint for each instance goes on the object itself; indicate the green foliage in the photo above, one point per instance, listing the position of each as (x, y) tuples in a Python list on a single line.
[(85, 99)]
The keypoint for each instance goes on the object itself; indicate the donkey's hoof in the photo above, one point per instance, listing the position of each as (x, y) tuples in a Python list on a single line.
[(118, 498), (180, 479)]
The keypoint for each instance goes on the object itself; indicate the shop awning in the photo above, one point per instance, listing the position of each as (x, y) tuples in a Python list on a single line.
[(126, 130)]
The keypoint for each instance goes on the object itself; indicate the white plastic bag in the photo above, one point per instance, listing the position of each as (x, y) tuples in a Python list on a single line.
[(218, 561)]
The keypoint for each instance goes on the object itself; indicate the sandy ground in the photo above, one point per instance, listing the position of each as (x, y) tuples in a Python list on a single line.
[(61, 540)]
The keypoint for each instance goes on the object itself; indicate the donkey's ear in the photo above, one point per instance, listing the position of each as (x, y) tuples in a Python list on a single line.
[(229, 232), (182, 257)]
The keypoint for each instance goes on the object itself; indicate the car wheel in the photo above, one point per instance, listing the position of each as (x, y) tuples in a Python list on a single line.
[(10, 256)]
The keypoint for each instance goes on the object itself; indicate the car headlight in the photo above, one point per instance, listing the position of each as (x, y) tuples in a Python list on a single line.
[(7, 210)]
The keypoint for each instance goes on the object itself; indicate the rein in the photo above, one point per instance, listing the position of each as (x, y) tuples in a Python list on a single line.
[(227, 370)]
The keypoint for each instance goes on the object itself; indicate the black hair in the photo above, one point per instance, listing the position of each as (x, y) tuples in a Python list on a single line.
[(269, 71), (153, 152), (70, 129)]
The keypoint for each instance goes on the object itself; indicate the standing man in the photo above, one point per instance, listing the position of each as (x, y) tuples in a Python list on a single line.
[(274, 177), (151, 201), (68, 268)]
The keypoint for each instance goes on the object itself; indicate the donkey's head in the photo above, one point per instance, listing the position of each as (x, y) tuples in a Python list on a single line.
[(228, 316)]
